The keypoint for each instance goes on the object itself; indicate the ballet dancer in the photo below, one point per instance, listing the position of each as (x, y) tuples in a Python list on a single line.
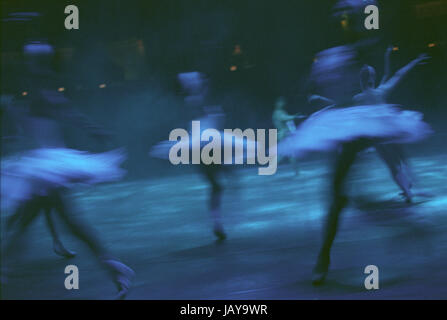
[(8, 107), (392, 154), (285, 124), (210, 117), (38, 177), (351, 130)]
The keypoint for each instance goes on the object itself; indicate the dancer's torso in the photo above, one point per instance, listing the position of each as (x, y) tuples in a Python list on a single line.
[(370, 96)]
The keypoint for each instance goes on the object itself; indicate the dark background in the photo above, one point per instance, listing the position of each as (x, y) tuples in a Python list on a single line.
[(138, 47)]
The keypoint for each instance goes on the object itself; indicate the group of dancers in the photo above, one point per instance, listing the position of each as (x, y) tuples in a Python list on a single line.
[(35, 180), (368, 122)]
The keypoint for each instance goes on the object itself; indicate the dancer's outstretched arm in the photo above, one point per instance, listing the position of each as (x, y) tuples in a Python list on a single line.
[(386, 73), (398, 76), (284, 116), (323, 100)]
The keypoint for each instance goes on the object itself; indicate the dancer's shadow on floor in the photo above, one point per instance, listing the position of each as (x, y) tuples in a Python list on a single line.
[(388, 210), (397, 214), (210, 250)]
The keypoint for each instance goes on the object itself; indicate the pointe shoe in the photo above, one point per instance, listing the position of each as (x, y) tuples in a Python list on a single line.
[(321, 270), (122, 277), (219, 233), (407, 197), (60, 250)]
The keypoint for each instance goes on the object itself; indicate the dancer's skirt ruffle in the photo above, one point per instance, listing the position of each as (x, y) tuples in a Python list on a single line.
[(37, 171), (162, 149), (326, 130)]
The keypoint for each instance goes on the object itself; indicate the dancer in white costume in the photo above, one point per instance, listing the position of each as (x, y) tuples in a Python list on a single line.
[(351, 130), (285, 124), (210, 117), (35, 180), (13, 186), (393, 155)]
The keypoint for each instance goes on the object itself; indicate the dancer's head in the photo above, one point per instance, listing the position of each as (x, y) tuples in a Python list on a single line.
[(195, 86), (367, 77), (38, 55), (280, 103)]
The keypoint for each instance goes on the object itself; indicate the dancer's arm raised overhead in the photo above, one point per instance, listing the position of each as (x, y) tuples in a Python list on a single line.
[(389, 85), (386, 72)]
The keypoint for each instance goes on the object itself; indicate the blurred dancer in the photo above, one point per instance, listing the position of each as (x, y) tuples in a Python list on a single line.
[(351, 130), (393, 155), (37, 178), (11, 110), (195, 87), (210, 117), (285, 124)]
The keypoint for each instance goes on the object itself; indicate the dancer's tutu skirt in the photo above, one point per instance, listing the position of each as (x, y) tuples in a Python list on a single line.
[(37, 171), (227, 141), (326, 130)]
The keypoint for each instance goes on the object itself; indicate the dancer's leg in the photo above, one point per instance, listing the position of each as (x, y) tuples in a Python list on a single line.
[(295, 165), (16, 227), (211, 174), (394, 158), (339, 200), (121, 273), (75, 225), (21, 219), (58, 246)]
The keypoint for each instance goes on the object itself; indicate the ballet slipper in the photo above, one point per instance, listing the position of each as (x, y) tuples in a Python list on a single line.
[(219, 232), (60, 250), (321, 269), (122, 275)]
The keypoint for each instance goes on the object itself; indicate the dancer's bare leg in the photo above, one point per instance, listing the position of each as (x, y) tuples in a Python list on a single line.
[(394, 158), (19, 222), (16, 227), (295, 166), (58, 246), (121, 273)]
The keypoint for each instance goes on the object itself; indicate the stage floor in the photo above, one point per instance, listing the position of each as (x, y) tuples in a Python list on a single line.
[(161, 228)]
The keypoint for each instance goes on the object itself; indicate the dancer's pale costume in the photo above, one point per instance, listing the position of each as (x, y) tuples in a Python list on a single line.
[(213, 170), (350, 130), (34, 180), (36, 172), (195, 86), (382, 123), (285, 124)]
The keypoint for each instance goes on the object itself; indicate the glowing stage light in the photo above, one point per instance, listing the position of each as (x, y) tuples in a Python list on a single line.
[(237, 50), (102, 85), (61, 89), (233, 68), (24, 93)]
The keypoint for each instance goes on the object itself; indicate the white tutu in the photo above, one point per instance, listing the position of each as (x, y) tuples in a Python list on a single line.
[(39, 170), (161, 149), (325, 130)]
